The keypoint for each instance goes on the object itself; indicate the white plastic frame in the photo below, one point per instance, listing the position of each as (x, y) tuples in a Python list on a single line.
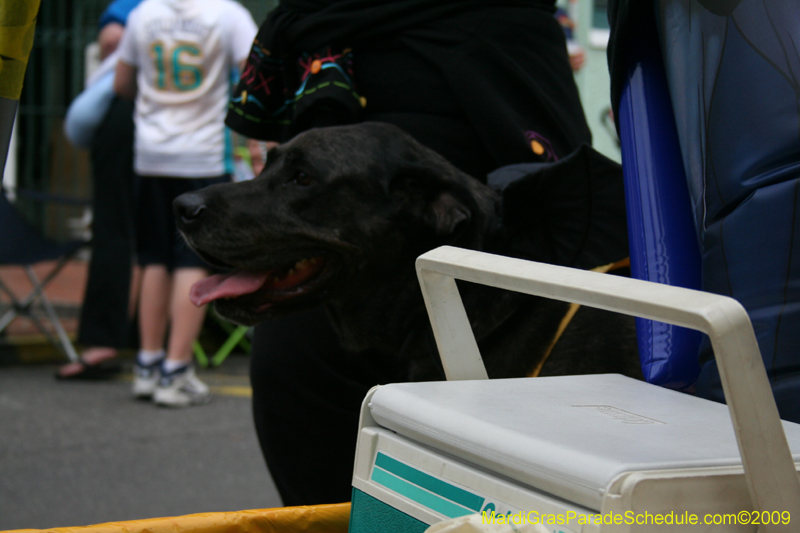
[(769, 469)]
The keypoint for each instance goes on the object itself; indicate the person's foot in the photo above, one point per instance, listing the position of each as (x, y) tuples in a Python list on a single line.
[(92, 365), (181, 388), (146, 373)]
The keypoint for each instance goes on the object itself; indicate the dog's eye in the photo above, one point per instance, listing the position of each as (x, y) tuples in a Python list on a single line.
[(301, 178)]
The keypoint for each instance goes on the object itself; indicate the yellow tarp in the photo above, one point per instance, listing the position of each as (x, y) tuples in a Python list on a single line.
[(17, 23), (307, 519)]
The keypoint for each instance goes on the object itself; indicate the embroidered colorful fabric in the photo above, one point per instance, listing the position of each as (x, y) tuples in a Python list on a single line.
[(275, 94)]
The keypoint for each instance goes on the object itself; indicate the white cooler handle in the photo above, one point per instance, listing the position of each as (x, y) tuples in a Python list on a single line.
[(768, 465)]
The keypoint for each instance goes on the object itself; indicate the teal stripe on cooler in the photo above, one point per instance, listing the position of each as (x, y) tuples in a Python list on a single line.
[(427, 481), (417, 494)]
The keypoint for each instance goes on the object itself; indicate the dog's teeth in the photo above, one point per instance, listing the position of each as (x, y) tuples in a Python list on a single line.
[(300, 265)]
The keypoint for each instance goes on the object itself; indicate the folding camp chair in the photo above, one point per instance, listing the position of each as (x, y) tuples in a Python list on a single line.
[(237, 336), (23, 246)]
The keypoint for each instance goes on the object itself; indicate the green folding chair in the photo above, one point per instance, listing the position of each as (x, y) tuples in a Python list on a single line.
[(237, 336)]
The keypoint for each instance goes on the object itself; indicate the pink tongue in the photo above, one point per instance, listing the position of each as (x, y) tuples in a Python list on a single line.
[(226, 286)]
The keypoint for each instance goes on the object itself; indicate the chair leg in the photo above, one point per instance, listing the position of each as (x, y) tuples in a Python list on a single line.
[(22, 309), (7, 318), (65, 343), (200, 354), (38, 285), (229, 345), (18, 308), (23, 306), (12, 313), (236, 336)]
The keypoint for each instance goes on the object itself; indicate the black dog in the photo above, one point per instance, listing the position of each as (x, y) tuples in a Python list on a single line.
[(338, 217)]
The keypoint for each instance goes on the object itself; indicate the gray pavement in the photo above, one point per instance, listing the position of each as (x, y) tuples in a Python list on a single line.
[(80, 453)]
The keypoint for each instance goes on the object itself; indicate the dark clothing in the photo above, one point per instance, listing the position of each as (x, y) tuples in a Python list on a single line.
[(501, 73), (307, 394), (484, 84), (159, 242), (104, 317)]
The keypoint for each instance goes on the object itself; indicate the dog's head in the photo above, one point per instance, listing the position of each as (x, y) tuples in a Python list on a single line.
[(338, 215)]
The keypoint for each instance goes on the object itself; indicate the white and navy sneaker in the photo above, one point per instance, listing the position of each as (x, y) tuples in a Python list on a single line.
[(145, 378), (181, 388)]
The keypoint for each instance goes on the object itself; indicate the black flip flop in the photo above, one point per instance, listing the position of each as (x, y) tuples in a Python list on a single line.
[(100, 371)]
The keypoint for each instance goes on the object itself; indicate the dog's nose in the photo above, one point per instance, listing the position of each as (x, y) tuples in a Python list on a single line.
[(188, 209)]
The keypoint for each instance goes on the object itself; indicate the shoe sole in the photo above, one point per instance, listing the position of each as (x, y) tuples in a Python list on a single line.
[(143, 391), (179, 402)]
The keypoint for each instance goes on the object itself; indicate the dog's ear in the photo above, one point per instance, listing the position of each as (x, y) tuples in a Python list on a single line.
[(426, 187), (431, 200), (445, 213)]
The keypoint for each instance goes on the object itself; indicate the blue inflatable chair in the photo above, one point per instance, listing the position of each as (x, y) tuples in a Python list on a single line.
[(707, 99)]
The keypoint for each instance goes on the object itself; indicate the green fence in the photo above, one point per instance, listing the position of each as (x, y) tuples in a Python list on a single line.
[(46, 162)]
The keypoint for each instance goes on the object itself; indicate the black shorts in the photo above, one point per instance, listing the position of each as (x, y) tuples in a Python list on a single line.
[(158, 241)]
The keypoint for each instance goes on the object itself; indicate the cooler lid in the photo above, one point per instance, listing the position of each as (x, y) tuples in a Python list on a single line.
[(569, 436)]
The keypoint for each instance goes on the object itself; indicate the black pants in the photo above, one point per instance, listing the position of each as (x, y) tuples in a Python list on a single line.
[(307, 394), (104, 317)]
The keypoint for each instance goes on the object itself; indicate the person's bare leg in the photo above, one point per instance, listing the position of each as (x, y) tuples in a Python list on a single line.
[(136, 285), (97, 354), (187, 319), (154, 307), (153, 317)]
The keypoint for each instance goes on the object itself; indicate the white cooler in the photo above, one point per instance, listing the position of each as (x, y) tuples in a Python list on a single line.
[(600, 453)]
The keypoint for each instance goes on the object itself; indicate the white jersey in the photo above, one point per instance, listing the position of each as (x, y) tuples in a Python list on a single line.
[(185, 52)]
